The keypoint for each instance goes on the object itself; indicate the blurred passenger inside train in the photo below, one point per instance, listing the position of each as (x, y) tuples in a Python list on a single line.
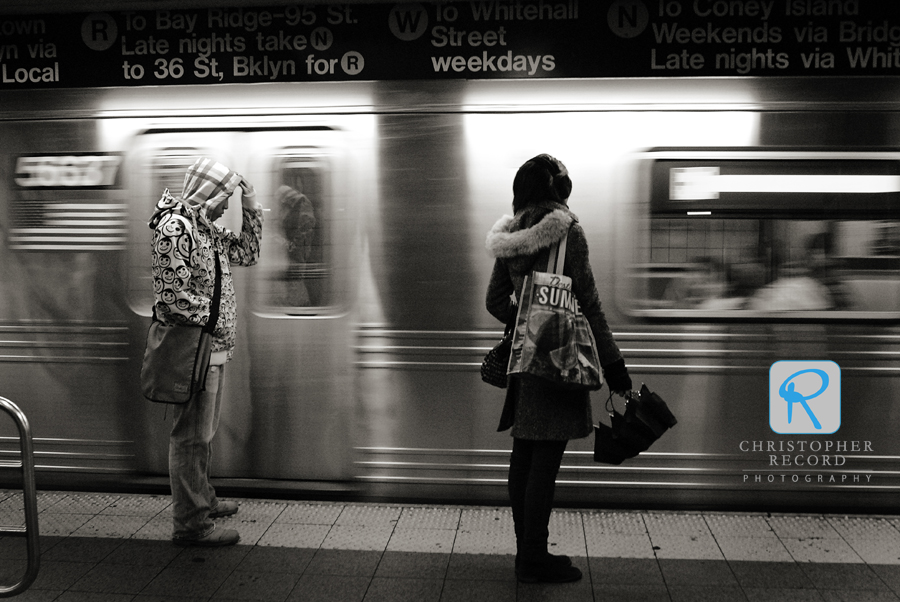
[(805, 282), (795, 290), (710, 284), (826, 268), (191, 268), (543, 417), (298, 219)]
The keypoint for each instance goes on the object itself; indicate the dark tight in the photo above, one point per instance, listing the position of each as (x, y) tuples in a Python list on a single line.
[(533, 467)]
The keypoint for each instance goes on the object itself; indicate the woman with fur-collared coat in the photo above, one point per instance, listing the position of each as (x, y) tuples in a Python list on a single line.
[(542, 416)]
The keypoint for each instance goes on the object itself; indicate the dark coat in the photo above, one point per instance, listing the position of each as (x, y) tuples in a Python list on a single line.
[(535, 408)]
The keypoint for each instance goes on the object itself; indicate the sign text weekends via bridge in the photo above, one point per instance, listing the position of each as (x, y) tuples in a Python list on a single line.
[(772, 37), (478, 39)]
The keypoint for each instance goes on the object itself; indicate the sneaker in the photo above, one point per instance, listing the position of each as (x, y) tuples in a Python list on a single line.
[(217, 538), (224, 509)]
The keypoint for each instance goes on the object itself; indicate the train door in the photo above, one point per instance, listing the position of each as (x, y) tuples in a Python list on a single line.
[(289, 388)]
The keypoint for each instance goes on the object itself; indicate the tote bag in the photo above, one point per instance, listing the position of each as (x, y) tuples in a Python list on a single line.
[(176, 361), (552, 339)]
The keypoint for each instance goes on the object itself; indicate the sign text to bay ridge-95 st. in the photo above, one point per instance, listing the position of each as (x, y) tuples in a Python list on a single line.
[(231, 45)]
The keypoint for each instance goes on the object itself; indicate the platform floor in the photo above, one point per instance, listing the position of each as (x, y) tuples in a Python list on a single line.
[(98, 547)]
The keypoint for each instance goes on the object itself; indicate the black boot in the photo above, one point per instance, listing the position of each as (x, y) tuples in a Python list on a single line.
[(560, 560), (546, 569)]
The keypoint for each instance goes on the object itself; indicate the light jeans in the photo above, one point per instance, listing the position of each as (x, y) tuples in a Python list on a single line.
[(190, 450)]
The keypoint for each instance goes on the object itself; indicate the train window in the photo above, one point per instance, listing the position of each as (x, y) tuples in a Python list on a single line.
[(166, 169), (296, 266), (763, 234)]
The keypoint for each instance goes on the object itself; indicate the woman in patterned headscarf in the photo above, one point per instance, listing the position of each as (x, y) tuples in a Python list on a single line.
[(187, 246)]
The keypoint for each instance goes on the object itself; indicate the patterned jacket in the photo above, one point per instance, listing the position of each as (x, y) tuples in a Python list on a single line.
[(535, 408), (183, 264)]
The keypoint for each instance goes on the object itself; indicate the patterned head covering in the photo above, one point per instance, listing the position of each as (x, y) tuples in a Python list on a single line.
[(208, 183)]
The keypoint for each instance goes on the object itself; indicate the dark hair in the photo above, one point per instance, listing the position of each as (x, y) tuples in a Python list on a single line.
[(541, 178)]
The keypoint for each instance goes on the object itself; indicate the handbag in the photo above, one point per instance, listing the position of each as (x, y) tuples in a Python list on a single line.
[(176, 358), (496, 362), (551, 338), (645, 419)]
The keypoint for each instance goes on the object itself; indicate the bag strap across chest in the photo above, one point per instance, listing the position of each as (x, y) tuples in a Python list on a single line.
[(216, 298)]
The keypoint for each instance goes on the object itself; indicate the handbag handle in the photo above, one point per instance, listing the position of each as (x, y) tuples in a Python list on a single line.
[(557, 259), (610, 404), (555, 264)]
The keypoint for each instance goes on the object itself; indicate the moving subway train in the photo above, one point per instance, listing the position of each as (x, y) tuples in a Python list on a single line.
[(733, 224)]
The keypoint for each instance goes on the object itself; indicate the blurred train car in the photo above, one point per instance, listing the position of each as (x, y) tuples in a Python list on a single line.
[(732, 224)]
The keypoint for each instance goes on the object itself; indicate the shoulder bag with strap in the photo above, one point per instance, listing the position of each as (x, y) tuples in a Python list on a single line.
[(176, 359)]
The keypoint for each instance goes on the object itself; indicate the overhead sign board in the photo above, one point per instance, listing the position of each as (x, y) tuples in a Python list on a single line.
[(479, 39)]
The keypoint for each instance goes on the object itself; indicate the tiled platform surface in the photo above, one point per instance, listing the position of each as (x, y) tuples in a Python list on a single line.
[(98, 547)]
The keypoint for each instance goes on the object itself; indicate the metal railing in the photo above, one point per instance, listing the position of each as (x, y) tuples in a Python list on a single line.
[(30, 530)]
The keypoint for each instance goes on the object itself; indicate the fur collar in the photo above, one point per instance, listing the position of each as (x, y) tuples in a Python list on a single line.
[(503, 241)]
